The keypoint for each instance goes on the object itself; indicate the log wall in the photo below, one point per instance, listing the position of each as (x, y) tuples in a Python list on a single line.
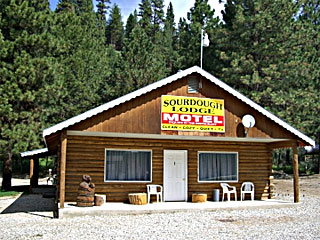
[(86, 155)]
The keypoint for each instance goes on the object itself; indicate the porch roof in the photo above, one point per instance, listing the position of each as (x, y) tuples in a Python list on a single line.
[(43, 152), (175, 137)]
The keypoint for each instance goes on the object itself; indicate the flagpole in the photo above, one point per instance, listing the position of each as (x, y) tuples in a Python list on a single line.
[(201, 54)]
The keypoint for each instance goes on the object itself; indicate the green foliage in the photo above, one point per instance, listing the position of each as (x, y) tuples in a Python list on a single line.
[(143, 61), (145, 12), (4, 193), (115, 30), (170, 42), (83, 64), (26, 65), (131, 23), (282, 161), (102, 9), (200, 17), (304, 169), (269, 55), (44, 165), (158, 17)]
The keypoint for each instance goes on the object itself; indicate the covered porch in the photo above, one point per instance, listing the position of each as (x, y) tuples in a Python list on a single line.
[(33, 157), (71, 210)]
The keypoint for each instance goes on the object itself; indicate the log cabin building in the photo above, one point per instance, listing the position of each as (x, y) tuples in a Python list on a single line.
[(184, 132)]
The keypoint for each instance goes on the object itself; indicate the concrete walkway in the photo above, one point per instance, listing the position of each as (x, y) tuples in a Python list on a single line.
[(71, 210)]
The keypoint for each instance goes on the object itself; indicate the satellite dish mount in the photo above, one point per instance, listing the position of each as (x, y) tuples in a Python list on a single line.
[(248, 122)]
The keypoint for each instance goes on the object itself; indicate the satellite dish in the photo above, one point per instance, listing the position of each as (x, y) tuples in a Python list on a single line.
[(248, 121)]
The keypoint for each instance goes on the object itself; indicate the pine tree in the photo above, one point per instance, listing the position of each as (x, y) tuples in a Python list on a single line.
[(158, 19), (66, 5), (85, 62), (256, 29), (170, 43), (145, 12), (302, 98), (27, 62), (115, 32), (143, 62), (84, 6), (102, 9), (132, 22), (184, 36)]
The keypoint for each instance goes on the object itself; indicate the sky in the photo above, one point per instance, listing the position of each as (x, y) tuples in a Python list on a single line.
[(180, 7)]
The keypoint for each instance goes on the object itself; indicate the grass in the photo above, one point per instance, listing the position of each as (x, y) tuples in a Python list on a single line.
[(8, 193)]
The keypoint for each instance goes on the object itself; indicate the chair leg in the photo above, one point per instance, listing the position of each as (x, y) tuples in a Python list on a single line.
[(228, 195), (148, 198), (235, 196), (222, 197)]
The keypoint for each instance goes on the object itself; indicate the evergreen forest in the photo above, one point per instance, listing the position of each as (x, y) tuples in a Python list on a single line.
[(57, 64)]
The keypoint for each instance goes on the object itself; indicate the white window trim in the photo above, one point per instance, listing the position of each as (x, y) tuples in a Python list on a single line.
[(237, 159), (128, 150)]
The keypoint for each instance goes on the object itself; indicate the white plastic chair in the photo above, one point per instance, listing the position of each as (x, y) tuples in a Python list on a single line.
[(247, 187), (153, 190), (227, 189)]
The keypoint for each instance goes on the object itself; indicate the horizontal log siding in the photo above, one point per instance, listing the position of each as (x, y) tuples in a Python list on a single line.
[(86, 155)]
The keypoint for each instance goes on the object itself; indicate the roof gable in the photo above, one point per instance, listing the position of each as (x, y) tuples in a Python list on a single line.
[(165, 81)]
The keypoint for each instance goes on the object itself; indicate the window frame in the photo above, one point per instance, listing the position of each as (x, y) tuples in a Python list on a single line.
[(219, 181), (126, 150)]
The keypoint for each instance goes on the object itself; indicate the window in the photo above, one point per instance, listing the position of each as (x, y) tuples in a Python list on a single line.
[(218, 167), (128, 165)]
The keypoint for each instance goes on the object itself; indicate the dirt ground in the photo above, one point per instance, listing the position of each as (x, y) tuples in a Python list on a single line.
[(309, 185)]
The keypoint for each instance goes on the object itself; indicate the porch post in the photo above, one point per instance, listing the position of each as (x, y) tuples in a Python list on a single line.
[(63, 157), (295, 165), (31, 174), (34, 172), (318, 152)]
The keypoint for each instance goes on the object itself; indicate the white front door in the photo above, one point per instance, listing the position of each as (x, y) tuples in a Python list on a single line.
[(175, 175)]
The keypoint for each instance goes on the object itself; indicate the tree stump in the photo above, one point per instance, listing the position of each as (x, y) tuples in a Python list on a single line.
[(199, 197), (98, 200), (138, 198)]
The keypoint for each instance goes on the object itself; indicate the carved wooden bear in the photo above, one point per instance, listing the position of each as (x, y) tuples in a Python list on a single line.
[(86, 190)]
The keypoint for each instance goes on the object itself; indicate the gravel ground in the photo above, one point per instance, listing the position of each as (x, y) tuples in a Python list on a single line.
[(299, 222)]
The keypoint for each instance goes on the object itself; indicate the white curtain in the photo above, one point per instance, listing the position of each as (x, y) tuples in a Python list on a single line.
[(217, 166), (128, 165)]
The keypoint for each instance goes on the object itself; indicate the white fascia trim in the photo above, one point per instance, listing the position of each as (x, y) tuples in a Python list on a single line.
[(172, 137), (33, 152), (165, 81)]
